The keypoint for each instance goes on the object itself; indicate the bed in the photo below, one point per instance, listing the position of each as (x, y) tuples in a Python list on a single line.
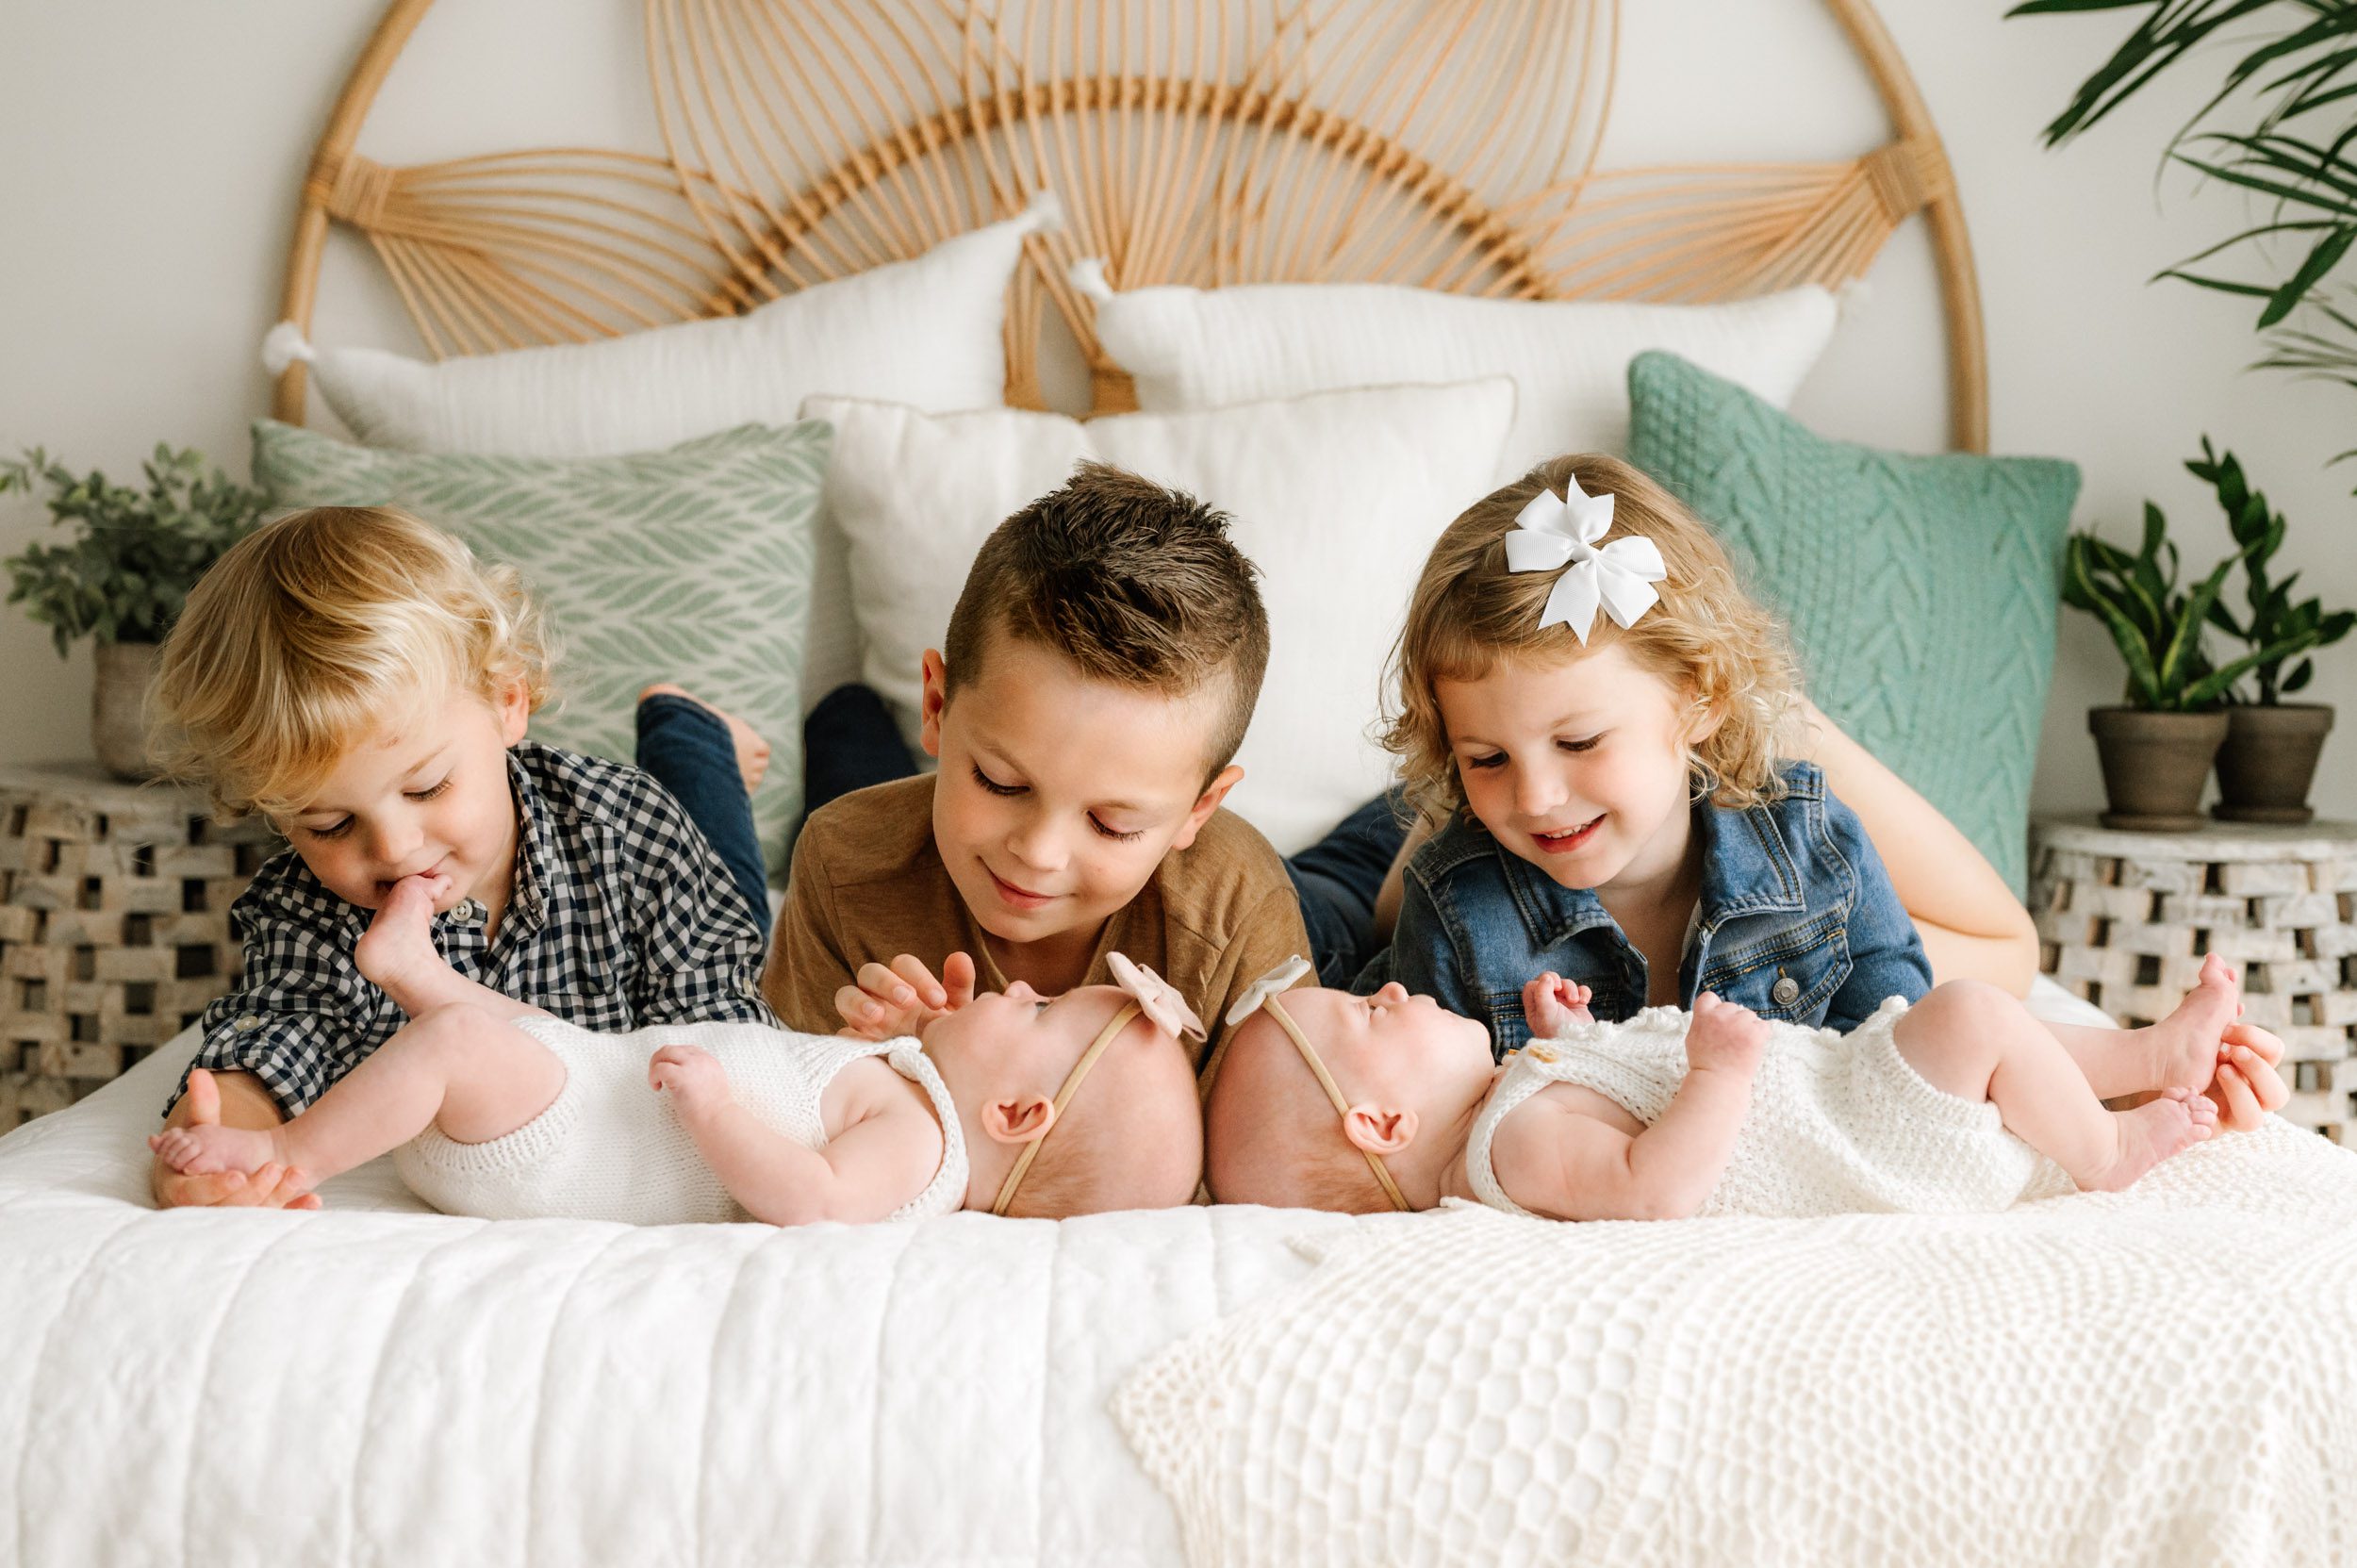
[(2158, 1376)]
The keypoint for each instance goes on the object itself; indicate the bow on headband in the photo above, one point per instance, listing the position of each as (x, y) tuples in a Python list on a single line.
[(1256, 995), (1157, 997), (1554, 532)]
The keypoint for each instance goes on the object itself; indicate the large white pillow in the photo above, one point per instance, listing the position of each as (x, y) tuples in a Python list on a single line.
[(1336, 497), (1208, 348), (927, 332)]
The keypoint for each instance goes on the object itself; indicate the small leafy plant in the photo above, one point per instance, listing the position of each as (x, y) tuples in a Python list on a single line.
[(127, 570), (2276, 627)]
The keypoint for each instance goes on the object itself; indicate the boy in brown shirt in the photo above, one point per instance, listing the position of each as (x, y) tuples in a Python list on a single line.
[(1098, 674)]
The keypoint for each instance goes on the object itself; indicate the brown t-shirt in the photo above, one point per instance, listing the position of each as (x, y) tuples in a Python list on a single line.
[(868, 884)]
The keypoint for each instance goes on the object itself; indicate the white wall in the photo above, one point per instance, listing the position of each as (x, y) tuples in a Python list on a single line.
[(150, 153)]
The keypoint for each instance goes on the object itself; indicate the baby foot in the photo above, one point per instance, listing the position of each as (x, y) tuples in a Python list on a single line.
[(2186, 1047), (752, 752), (2153, 1132), (211, 1149), (397, 955), (692, 1076)]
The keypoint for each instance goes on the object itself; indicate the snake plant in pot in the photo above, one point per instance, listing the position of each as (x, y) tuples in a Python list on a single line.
[(2269, 757), (2157, 745)]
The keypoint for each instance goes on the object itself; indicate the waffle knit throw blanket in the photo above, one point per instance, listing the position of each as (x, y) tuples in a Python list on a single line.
[(2163, 1376)]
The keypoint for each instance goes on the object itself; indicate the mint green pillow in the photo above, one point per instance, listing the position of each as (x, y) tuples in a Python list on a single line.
[(691, 564), (1921, 590)]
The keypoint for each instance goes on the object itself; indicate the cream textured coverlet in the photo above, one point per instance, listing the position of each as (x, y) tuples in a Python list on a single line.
[(2165, 1376)]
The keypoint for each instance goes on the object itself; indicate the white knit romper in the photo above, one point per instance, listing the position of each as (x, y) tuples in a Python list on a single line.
[(1839, 1124), (609, 1147)]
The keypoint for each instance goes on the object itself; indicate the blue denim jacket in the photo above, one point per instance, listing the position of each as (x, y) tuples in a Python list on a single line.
[(1791, 892)]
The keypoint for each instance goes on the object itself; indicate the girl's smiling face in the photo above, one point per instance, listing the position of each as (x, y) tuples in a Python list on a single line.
[(1581, 766)]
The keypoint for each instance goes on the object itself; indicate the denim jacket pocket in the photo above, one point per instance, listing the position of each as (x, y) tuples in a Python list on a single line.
[(1791, 975)]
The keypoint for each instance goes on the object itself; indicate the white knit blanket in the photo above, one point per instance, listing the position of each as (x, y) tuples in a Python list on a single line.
[(2165, 1376)]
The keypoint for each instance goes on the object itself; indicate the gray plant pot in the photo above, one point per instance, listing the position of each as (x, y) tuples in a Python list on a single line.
[(118, 708), (2154, 766), (2268, 760)]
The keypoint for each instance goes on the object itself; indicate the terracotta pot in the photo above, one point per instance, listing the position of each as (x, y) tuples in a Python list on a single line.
[(118, 708), (2268, 760), (2154, 766)]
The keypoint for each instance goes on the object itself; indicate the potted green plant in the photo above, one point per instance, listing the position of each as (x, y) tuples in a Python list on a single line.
[(124, 575), (2269, 757), (2157, 746)]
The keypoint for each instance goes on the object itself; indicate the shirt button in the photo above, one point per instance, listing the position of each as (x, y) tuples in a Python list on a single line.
[(1785, 992), (467, 911), (1543, 1053), (248, 1023)]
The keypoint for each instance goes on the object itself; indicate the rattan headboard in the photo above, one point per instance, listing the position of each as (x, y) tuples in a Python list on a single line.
[(1445, 144)]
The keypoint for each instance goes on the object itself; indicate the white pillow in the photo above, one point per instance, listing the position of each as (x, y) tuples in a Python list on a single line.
[(1208, 348), (1337, 498), (928, 332)]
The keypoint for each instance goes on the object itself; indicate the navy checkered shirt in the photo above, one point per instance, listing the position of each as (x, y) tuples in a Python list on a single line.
[(620, 916)]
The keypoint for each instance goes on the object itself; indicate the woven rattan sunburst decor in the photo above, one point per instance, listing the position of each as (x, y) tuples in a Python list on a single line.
[(1447, 145)]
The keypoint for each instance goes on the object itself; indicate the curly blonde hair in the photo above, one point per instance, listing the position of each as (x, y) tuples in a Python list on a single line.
[(1707, 636), (320, 629)]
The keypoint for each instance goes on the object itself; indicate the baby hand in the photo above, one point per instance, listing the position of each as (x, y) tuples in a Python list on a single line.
[(885, 1002), (1724, 1037), (691, 1074), (1552, 1005)]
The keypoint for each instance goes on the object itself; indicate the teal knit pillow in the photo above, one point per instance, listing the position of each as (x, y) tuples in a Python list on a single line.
[(1921, 590), (691, 564)]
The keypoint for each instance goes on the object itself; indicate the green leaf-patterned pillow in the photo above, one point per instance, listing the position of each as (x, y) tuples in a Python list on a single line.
[(691, 564), (1921, 590)]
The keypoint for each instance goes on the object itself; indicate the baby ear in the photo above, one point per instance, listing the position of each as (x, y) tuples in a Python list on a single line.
[(1022, 1120), (934, 672), (1378, 1129)]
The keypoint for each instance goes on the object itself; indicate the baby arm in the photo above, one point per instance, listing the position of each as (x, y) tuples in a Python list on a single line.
[(864, 1172), (1571, 1156)]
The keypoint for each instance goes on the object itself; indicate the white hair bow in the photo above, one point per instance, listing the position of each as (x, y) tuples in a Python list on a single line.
[(1256, 995), (1157, 997), (1553, 531)]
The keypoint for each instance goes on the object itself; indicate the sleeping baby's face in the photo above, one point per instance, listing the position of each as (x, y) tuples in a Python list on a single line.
[(1132, 1137), (1408, 1069)]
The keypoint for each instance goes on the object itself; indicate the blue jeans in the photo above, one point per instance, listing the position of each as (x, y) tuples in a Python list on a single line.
[(849, 742), (687, 750)]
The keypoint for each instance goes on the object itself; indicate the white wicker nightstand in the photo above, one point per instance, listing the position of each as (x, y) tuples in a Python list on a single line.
[(2125, 918), (114, 925)]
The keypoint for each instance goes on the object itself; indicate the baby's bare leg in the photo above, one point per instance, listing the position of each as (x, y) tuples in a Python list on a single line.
[(398, 956), (474, 1076), (1978, 1042)]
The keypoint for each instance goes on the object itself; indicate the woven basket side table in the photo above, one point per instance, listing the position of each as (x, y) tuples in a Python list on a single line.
[(114, 926), (2124, 919)]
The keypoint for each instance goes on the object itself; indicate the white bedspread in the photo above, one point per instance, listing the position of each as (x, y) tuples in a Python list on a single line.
[(2167, 1376), (381, 1384)]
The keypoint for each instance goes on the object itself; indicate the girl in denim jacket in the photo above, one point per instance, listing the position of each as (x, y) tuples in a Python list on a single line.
[(1597, 716)]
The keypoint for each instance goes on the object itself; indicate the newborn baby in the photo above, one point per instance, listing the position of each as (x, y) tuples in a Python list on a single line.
[(1328, 1100), (1015, 1104)]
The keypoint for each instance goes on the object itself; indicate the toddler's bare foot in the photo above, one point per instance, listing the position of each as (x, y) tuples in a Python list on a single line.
[(397, 953), (212, 1148), (2153, 1132), (752, 752), (2184, 1047)]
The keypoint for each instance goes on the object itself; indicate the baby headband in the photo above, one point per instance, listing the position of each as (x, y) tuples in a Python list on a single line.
[(1552, 531), (1150, 995), (1262, 993)]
